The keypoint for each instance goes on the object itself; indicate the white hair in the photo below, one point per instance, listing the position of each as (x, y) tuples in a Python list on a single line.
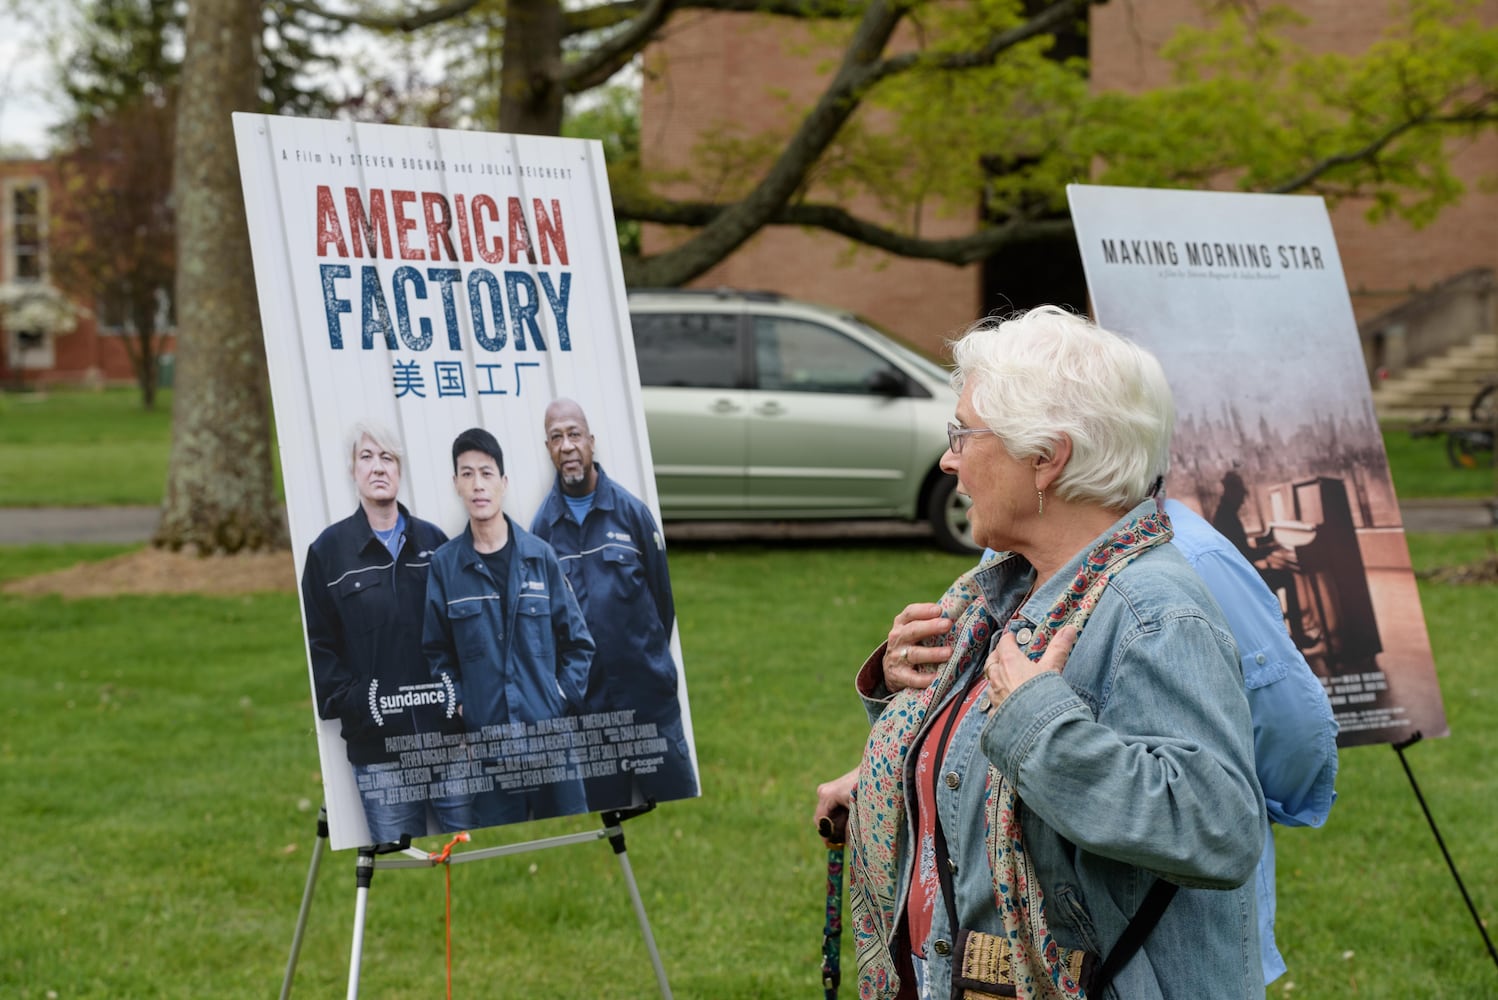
[(384, 438), (1046, 373)]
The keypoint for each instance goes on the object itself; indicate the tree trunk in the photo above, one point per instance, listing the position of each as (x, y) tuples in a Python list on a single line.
[(143, 347), (220, 494), (531, 91)]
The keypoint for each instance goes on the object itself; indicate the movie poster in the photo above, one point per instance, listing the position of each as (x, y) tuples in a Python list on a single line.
[(490, 627), (1243, 299)]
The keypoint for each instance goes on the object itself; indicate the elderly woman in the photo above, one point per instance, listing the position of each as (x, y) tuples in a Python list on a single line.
[(1022, 822)]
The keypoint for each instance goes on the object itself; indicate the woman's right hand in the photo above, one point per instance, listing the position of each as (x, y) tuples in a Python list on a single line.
[(834, 799), (908, 662)]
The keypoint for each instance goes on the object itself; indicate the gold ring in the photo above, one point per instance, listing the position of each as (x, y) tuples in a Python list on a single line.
[(905, 656)]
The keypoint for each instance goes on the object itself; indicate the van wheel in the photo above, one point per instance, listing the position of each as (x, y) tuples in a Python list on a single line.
[(947, 513)]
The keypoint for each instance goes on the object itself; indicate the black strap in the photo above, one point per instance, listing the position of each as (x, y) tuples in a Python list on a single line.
[(1140, 925)]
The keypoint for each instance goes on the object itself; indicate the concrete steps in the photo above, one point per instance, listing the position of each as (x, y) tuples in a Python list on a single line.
[(1448, 379)]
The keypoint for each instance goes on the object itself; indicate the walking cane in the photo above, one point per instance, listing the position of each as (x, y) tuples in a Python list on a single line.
[(833, 830)]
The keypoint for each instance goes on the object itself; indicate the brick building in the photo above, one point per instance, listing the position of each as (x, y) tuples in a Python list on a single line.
[(732, 69), (91, 352)]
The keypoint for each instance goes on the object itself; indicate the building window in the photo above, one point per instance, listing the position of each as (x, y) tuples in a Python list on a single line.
[(112, 313), (25, 228)]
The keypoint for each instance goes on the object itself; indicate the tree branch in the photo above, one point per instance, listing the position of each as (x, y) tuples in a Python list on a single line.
[(582, 20), (608, 15), (1044, 23), (614, 53), (959, 250), (1478, 113), (643, 19), (862, 67), (814, 10), (445, 11), (728, 229)]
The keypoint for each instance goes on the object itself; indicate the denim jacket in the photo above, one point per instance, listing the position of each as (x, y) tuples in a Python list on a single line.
[(1137, 763)]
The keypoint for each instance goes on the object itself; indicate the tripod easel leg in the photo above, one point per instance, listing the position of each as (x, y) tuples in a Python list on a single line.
[(301, 917), (611, 822), (365, 875), (1482, 928)]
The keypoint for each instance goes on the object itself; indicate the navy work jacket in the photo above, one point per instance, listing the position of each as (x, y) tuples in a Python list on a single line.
[(519, 653), (616, 562), (363, 613)]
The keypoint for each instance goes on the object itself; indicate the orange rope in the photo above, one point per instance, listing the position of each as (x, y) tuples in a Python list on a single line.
[(447, 871)]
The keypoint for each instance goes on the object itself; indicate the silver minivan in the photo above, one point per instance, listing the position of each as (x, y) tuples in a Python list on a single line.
[(762, 407)]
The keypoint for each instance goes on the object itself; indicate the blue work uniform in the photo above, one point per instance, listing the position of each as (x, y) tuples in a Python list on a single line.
[(363, 610), (616, 562), (517, 656)]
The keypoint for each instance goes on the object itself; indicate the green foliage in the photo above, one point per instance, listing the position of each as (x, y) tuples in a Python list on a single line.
[(127, 54), (444, 76), (160, 751), (1008, 129), (1251, 103), (611, 115), (1248, 107), (129, 51)]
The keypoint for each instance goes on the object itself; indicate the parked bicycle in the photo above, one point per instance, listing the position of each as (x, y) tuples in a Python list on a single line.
[(1470, 443)]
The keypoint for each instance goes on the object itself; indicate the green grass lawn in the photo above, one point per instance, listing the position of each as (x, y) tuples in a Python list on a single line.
[(1421, 470), (160, 779), (75, 448)]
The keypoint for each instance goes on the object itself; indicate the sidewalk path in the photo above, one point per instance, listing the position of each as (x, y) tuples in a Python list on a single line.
[(42, 525)]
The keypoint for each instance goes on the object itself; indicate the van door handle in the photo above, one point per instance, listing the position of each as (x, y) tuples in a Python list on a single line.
[(770, 409), (724, 406)]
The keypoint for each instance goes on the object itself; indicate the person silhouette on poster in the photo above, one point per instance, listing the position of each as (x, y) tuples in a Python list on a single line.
[(503, 628), (1267, 557), (364, 589), (615, 557)]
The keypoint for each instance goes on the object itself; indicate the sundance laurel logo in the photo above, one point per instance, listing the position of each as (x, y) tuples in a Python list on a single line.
[(411, 696)]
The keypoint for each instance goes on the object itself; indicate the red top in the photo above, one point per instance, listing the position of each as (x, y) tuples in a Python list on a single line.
[(925, 883)]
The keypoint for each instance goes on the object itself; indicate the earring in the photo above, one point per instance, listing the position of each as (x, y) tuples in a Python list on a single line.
[(1040, 510)]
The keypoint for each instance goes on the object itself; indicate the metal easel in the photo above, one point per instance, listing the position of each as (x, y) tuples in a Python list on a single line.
[(402, 855), (1482, 929)]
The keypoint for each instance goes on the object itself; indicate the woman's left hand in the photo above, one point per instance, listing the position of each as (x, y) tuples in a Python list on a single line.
[(1008, 667)]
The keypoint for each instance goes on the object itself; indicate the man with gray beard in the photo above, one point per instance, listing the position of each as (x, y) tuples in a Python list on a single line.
[(615, 558)]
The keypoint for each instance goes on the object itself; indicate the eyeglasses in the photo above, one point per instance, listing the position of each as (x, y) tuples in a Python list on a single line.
[(957, 435)]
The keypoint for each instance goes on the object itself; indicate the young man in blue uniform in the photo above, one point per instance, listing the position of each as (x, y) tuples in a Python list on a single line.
[(363, 593), (504, 629), (614, 555)]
